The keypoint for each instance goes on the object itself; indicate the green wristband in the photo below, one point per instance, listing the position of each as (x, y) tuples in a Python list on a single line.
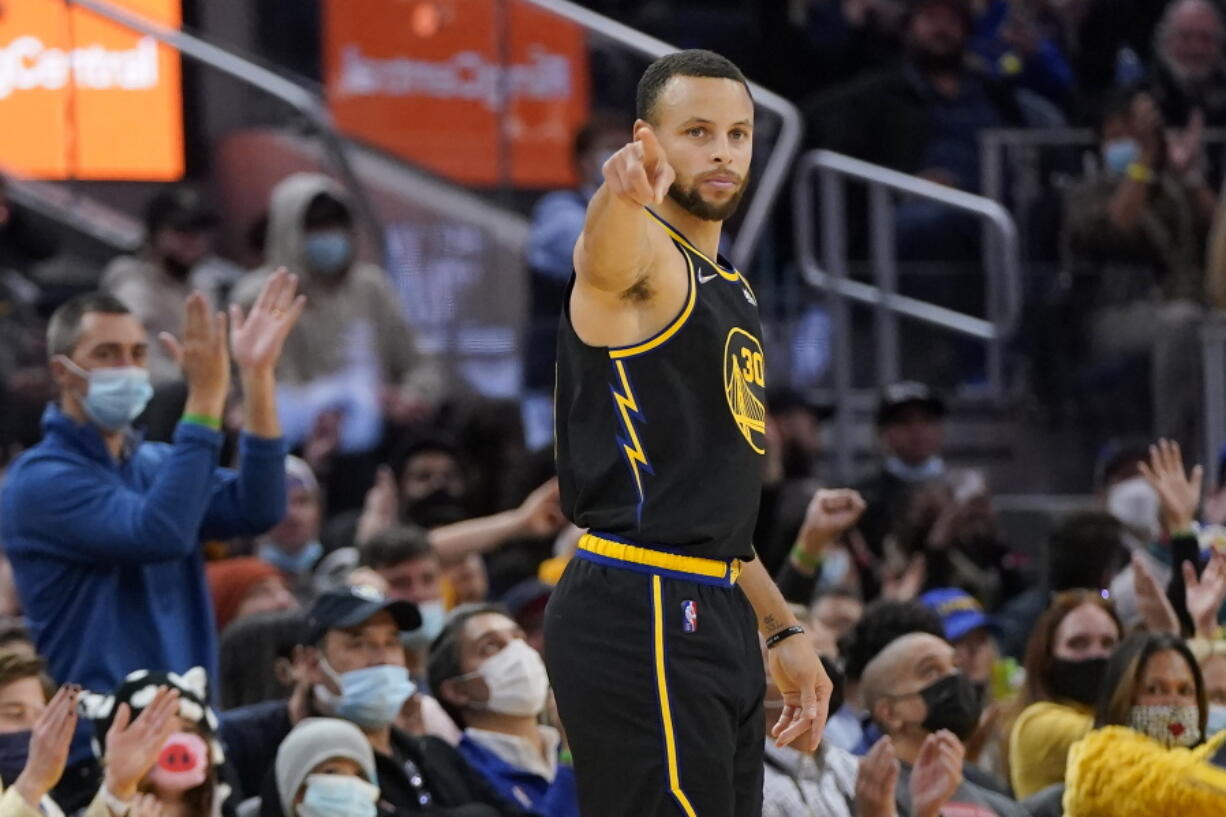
[(203, 420), (805, 559)]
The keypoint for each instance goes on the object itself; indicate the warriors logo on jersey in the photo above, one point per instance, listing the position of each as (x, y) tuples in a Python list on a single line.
[(745, 386)]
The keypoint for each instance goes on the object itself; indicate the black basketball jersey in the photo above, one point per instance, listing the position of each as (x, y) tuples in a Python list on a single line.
[(661, 442)]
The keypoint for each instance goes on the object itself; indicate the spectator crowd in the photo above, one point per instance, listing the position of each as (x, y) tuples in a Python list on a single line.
[(257, 557)]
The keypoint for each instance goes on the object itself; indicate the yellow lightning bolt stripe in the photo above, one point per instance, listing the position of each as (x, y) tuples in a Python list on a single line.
[(626, 403)]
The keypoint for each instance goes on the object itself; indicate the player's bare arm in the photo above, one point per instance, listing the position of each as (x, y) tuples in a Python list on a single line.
[(629, 280)]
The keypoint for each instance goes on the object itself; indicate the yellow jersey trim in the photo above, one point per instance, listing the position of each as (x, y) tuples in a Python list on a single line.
[(661, 560), (666, 714), (667, 332), (735, 275)]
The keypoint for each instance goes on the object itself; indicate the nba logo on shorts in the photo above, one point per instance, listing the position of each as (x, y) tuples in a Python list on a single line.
[(689, 613)]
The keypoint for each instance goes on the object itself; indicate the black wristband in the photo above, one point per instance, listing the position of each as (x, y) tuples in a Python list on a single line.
[(786, 632)]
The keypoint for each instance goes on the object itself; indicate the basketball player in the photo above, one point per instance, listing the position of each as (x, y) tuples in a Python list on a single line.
[(651, 637)]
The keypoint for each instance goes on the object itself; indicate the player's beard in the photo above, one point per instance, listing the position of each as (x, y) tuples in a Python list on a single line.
[(693, 203)]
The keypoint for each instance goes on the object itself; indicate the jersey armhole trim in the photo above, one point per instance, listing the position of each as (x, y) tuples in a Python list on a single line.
[(673, 233), (662, 337)]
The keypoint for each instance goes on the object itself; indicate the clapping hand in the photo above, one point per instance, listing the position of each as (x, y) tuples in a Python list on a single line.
[(876, 781), (1206, 594), (937, 773), (1185, 149), (132, 747), (1152, 604), (257, 338), (203, 355), (49, 744), (381, 510), (1179, 490)]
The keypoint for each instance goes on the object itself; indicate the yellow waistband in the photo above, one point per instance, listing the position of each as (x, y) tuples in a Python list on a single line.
[(673, 562)]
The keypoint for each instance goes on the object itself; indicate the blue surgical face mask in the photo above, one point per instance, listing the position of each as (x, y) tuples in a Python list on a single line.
[(338, 795), (930, 468), (1217, 720), (433, 619), (1119, 153), (370, 697), (291, 563), (14, 752), (116, 395), (328, 252)]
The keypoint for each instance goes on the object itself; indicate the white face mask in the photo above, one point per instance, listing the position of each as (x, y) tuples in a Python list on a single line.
[(1169, 725), (516, 679), (1135, 503)]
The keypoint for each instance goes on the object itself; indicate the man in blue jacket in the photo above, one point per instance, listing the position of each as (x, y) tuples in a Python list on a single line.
[(103, 530), (494, 686)]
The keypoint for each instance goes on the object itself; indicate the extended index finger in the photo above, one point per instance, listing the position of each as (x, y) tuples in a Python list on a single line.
[(652, 152)]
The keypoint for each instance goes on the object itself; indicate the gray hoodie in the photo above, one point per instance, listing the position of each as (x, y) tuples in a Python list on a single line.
[(359, 310)]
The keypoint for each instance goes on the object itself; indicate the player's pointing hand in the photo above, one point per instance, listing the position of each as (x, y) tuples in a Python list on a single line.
[(640, 172)]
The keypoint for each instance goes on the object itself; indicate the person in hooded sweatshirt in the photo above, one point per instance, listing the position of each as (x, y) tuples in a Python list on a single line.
[(354, 355)]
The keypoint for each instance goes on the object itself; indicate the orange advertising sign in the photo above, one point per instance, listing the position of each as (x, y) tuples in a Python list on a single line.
[(81, 97), (425, 79)]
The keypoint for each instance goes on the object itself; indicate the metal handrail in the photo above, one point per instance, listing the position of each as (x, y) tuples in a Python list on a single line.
[(774, 175), (85, 216), (300, 99), (994, 141), (1002, 266)]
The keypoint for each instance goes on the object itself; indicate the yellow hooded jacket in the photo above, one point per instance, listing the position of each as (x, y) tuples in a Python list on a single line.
[(1118, 772)]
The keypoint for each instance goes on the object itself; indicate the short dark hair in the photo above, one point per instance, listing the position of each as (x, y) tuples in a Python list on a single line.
[(64, 328), (1082, 551), (396, 545), (444, 661), (884, 621), (1124, 670), (427, 443), (695, 62), (326, 210)]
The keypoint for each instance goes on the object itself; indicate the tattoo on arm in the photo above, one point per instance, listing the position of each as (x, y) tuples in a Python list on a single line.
[(770, 623)]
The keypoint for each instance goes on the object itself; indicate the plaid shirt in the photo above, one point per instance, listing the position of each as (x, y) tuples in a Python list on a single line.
[(796, 784)]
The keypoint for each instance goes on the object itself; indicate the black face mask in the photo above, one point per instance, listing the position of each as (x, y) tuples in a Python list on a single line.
[(1077, 681), (175, 268), (14, 754), (439, 507), (952, 704)]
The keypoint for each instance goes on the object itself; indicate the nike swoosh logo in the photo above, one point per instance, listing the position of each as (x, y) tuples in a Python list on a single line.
[(702, 279)]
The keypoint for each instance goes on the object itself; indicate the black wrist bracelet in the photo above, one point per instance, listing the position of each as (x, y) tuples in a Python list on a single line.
[(786, 632)]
